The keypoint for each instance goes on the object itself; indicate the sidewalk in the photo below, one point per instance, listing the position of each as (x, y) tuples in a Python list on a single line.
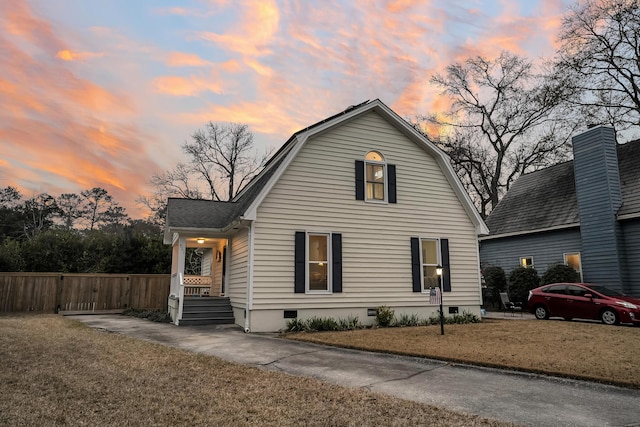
[(524, 399)]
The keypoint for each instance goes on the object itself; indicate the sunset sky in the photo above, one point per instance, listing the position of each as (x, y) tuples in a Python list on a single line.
[(102, 93)]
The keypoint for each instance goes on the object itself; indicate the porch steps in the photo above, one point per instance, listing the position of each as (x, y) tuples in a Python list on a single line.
[(206, 311)]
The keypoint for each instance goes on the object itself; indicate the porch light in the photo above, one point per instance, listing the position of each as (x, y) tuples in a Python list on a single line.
[(200, 241)]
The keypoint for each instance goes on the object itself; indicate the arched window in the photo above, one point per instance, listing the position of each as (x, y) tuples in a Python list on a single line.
[(375, 173)]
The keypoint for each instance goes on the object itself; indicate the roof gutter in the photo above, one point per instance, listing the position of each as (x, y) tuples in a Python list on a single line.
[(222, 232), (520, 233), (629, 216)]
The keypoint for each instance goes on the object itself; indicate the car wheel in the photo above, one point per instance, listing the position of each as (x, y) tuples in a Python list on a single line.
[(609, 317), (541, 312)]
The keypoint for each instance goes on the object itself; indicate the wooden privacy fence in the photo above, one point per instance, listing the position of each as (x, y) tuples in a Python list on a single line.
[(53, 292)]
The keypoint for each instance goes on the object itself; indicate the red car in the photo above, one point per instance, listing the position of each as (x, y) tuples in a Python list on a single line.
[(583, 301)]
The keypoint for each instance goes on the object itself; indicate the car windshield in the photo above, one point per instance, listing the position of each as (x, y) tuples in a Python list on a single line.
[(605, 291)]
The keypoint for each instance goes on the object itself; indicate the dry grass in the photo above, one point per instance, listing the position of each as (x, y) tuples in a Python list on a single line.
[(573, 349), (55, 371)]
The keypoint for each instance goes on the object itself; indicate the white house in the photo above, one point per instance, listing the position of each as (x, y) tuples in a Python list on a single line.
[(352, 213)]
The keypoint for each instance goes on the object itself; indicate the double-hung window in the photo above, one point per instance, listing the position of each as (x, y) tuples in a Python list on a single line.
[(375, 177), (430, 262), (526, 261), (318, 262), (318, 278), (426, 255), (573, 261)]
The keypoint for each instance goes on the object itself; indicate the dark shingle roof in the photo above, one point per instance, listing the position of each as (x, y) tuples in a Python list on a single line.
[(192, 213), (629, 165), (537, 200), (196, 213), (547, 198)]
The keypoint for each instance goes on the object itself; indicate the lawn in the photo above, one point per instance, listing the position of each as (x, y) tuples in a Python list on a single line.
[(572, 349), (56, 371)]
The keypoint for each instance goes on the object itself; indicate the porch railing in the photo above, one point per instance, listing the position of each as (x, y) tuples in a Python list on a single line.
[(197, 286)]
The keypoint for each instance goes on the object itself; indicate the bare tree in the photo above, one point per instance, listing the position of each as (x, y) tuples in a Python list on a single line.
[(221, 161), (503, 121), (599, 59), (222, 155)]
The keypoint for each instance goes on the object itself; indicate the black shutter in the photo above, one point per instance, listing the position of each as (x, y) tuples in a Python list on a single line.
[(359, 180), (299, 272), (391, 172), (336, 259), (446, 276), (415, 264)]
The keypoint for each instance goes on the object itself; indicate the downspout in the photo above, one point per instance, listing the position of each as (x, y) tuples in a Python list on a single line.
[(249, 298)]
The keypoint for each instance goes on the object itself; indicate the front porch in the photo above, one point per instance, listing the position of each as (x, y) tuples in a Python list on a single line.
[(198, 270)]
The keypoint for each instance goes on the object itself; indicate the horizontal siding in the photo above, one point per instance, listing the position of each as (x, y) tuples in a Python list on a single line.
[(545, 248), (631, 231), (316, 193), (238, 268), (599, 197)]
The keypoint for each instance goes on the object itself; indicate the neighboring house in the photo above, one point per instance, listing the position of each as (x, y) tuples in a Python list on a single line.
[(584, 213), (352, 213)]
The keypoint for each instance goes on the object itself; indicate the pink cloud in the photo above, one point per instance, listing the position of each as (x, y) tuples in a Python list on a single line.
[(57, 129), (180, 59), (186, 86), (67, 55)]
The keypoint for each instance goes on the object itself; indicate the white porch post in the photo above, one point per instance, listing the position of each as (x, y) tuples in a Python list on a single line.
[(177, 272)]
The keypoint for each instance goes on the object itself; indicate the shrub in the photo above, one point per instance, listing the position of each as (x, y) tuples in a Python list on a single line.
[(408, 320), (153, 315), (463, 318), (321, 324), (496, 281), (459, 319), (384, 316), (560, 273), (316, 324), (521, 281), (349, 323), (296, 325)]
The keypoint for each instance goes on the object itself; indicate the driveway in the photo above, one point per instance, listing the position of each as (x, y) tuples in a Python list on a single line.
[(524, 399)]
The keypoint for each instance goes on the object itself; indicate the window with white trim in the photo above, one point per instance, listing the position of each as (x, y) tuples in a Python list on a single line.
[(526, 261), (430, 250), (318, 263), (573, 261), (375, 177)]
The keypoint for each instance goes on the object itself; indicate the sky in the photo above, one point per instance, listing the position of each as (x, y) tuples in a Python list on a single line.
[(102, 93)]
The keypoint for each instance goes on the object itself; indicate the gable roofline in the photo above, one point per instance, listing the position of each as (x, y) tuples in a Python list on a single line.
[(299, 139)]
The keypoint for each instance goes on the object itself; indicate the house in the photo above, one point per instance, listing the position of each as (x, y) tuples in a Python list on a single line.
[(584, 213), (352, 213)]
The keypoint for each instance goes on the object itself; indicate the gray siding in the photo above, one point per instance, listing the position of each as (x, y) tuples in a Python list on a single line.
[(631, 231), (599, 198), (545, 248)]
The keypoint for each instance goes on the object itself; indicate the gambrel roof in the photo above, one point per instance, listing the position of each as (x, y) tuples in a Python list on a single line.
[(546, 199), (220, 217)]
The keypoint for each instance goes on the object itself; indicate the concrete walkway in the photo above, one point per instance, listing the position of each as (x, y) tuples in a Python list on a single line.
[(519, 398)]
